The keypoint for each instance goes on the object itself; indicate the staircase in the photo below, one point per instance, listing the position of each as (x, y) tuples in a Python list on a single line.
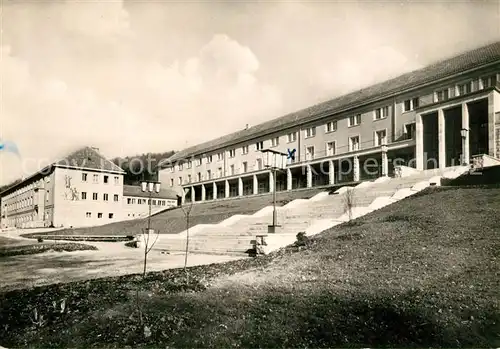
[(313, 215)]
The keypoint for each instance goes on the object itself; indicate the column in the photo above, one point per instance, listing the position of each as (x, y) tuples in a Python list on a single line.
[(288, 179), (214, 185), (240, 186), (226, 187), (419, 138), (441, 141), (309, 176), (203, 192), (385, 162), (355, 166), (192, 194), (491, 125), (465, 124), (255, 185), (331, 172), (271, 182)]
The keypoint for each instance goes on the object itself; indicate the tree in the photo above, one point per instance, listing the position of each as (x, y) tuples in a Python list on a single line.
[(348, 202)]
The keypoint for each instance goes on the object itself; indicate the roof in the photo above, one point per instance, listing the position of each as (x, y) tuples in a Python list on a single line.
[(134, 190), (470, 60), (88, 158)]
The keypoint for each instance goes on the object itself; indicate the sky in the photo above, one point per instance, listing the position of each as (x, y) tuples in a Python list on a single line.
[(133, 77)]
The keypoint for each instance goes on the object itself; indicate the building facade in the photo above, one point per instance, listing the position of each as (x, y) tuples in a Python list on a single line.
[(83, 189), (136, 202), (413, 120)]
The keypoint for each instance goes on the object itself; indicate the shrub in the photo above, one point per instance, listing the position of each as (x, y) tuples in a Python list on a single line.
[(40, 239), (302, 239)]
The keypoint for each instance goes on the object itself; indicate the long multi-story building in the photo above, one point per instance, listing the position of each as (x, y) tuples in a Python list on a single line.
[(434, 117), (83, 189)]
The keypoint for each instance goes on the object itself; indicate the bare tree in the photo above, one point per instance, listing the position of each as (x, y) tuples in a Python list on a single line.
[(187, 213), (348, 202), (146, 237)]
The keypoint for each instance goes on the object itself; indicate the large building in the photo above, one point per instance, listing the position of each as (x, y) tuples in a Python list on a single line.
[(83, 189), (434, 117)]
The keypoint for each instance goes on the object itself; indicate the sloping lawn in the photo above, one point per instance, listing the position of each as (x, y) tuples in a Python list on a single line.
[(423, 272)]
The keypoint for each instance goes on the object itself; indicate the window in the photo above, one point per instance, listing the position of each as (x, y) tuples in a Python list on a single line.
[(331, 126), (84, 195), (133, 201), (330, 148), (172, 168), (116, 198), (154, 202), (354, 120), (209, 174), (96, 178), (410, 104), (189, 164), (209, 159), (380, 137), (117, 180), (129, 201), (105, 197), (464, 89), (244, 149), (94, 196), (84, 178), (441, 95), (259, 164), (110, 216), (232, 153), (199, 177), (381, 113), (99, 215), (310, 153), (310, 132), (171, 182), (231, 170), (489, 81), (189, 178), (180, 180), (409, 131), (198, 162), (275, 141), (106, 178), (220, 156), (259, 145), (181, 166), (88, 214), (292, 137), (354, 143), (244, 166), (219, 172)]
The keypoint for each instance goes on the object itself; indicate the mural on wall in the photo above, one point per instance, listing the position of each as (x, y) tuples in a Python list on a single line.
[(71, 193)]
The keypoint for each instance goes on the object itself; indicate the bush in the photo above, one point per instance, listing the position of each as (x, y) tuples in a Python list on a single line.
[(302, 239), (40, 239)]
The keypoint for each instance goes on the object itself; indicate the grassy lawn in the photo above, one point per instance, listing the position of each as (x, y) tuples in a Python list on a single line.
[(18, 248), (423, 272)]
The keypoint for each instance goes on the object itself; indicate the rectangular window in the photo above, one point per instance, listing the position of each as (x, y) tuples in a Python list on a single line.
[(380, 138), (410, 104), (96, 178), (129, 201), (88, 214), (106, 178), (99, 215), (116, 198), (259, 145), (244, 149), (180, 181), (354, 120), (117, 180), (232, 153), (189, 178), (220, 156), (189, 164), (209, 174), (409, 131), (171, 182), (219, 172), (292, 137), (310, 132), (441, 95), (330, 148), (154, 202), (84, 195), (181, 166), (172, 168), (198, 162), (199, 177), (275, 141), (354, 143), (94, 196), (259, 164), (331, 126), (84, 178), (244, 166), (110, 216), (310, 153), (105, 197), (231, 170), (489, 81), (209, 159), (381, 113)]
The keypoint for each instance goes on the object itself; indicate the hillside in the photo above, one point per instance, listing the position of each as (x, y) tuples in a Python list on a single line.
[(422, 272)]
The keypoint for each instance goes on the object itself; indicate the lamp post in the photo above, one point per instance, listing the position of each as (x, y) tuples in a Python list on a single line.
[(463, 133), (150, 187), (275, 161)]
